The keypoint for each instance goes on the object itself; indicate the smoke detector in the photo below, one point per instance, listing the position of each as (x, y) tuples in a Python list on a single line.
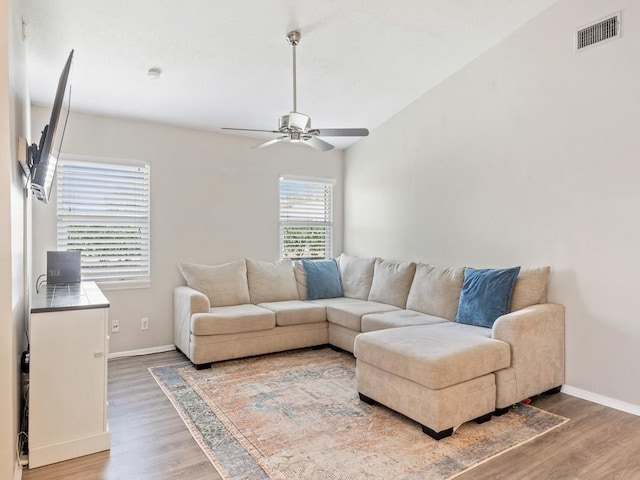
[(154, 73)]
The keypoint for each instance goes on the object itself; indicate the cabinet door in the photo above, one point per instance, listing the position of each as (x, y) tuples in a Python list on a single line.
[(67, 375)]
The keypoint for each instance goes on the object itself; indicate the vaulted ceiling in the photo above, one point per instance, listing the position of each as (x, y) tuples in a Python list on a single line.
[(226, 63)]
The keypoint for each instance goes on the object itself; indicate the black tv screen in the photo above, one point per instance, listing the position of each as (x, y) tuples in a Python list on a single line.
[(44, 157)]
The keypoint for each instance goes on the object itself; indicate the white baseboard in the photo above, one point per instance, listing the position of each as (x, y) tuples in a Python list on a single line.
[(601, 399), (17, 472), (68, 449), (142, 351)]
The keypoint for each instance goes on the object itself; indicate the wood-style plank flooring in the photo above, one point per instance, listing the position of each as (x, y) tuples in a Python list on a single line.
[(150, 441)]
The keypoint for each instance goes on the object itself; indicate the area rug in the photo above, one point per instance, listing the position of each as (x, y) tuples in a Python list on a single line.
[(297, 415)]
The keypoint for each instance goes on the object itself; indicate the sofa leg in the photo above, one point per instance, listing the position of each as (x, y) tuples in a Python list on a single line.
[(202, 366), (484, 418), (365, 399), (553, 391), (501, 411), (437, 435)]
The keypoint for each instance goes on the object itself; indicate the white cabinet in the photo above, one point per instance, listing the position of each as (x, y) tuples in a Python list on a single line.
[(68, 376)]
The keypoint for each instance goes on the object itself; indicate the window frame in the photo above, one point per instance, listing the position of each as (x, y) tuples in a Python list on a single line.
[(330, 224), (106, 283)]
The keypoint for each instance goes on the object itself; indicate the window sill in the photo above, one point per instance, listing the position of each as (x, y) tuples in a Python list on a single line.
[(123, 284)]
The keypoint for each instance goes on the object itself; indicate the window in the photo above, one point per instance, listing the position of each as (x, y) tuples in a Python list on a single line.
[(103, 211), (306, 217)]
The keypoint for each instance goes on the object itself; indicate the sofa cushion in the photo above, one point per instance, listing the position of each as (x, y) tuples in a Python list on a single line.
[(349, 315), (234, 319), (430, 355), (296, 312), (391, 282), (436, 290), (330, 302), (464, 329), (397, 318), (301, 280), (271, 281), (530, 288), (323, 279), (356, 275), (224, 284), (486, 294)]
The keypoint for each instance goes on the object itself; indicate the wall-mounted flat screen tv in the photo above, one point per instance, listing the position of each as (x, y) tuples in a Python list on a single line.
[(43, 158)]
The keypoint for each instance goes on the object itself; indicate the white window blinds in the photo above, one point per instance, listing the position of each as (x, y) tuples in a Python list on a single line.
[(103, 211), (306, 218)]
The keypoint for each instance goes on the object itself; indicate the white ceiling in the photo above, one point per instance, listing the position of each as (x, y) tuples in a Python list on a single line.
[(226, 63)]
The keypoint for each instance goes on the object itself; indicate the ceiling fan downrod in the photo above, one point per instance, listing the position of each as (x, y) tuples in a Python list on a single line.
[(293, 38)]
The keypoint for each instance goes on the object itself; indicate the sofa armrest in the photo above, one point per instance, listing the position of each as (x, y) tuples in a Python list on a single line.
[(536, 337), (186, 302)]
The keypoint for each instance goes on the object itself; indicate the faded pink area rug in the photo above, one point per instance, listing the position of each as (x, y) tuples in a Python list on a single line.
[(297, 415)]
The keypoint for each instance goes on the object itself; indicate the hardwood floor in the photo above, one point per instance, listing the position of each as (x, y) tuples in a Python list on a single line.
[(150, 441)]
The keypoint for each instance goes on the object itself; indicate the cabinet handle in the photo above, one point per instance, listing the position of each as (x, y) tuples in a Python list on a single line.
[(98, 354)]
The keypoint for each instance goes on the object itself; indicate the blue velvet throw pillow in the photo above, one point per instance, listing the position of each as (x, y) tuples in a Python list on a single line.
[(486, 295), (323, 279)]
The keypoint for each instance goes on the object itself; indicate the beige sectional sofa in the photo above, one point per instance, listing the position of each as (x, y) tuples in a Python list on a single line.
[(399, 320)]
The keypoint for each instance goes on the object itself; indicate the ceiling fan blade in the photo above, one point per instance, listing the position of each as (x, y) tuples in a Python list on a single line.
[(343, 132), (271, 142), (250, 130), (315, 142)]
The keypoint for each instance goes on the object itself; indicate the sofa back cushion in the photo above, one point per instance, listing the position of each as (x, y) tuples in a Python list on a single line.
[(391, 282), (271, 281), (530, 288), (356, 275), (224, 285), (436, 290), (323, 279), (301, 280)]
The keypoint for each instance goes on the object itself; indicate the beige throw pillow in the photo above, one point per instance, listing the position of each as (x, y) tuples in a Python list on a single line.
[(391, 282), (271, 281), (436, 290), (225, 285), (530, 288), (356, 275), (301, 280)]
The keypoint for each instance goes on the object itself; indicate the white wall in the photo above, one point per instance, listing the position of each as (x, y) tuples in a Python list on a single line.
[(14, 113), (213, 199), (530, 155)]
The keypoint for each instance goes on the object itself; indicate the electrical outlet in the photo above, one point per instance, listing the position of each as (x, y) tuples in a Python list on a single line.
[(115, 326), (144, 323)]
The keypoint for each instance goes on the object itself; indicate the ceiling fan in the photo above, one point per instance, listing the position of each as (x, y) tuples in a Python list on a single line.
[(296, 127)]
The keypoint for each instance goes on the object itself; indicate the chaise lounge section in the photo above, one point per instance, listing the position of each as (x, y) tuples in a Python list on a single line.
[(442, 382)]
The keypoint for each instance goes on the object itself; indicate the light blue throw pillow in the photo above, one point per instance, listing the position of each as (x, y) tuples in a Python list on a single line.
[(323, 279), (486, 295)]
